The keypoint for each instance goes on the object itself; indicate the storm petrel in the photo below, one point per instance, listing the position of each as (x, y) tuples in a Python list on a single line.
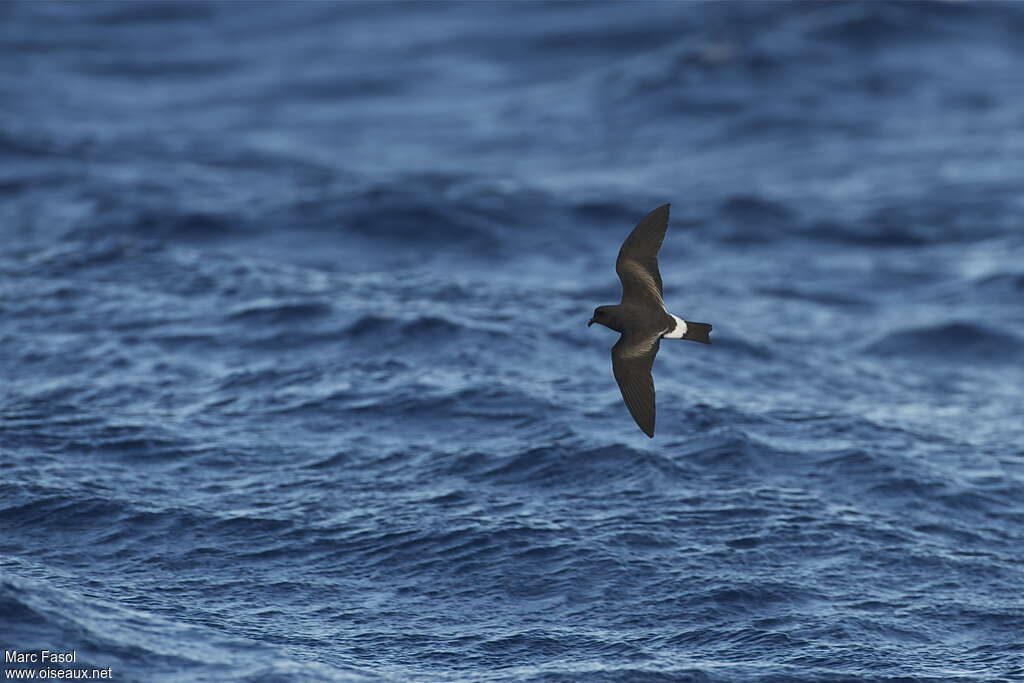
[(641, 318)]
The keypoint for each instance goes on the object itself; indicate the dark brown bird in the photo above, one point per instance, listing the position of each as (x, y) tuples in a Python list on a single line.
[(641, 318)]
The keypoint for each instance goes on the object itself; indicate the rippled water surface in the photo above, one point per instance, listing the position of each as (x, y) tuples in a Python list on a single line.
[(295, 381)]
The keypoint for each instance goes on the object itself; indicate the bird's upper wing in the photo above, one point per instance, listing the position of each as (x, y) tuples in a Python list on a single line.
[(637, 264), (632, 359)]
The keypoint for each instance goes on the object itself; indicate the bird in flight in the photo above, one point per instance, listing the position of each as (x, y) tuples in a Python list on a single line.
[(641, 318)]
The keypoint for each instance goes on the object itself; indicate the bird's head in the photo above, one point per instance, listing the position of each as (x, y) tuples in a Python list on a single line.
[(604, 316)]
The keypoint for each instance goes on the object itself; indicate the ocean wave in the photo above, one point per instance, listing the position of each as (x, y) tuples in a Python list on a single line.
[(500, 403), (106, 635), (169, 69), (417, 334), (416, 210), (1001, 283), (751, 219), (389, 328), (835, 297), (281, 313), (156, 13), (865, 25), (562, 466), (958, 342)]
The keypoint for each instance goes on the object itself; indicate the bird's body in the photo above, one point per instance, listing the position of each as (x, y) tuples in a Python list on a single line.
[(641, 318)]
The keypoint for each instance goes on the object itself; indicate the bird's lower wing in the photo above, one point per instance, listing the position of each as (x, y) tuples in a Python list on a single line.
[(632, 360)]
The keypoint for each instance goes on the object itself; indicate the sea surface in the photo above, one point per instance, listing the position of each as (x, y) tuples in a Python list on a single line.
[(296, 382)]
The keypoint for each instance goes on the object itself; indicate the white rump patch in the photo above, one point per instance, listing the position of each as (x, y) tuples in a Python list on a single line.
[(679, 331)]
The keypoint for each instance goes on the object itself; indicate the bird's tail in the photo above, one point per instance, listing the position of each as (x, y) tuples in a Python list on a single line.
[(698, 332)]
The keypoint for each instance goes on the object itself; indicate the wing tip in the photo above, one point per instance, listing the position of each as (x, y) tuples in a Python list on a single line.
[(645, 423)]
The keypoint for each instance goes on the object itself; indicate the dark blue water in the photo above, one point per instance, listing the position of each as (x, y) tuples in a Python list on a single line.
[(295, 381)]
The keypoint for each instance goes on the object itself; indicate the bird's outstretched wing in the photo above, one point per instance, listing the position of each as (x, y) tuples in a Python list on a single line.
[(632, 359), (637, 264)]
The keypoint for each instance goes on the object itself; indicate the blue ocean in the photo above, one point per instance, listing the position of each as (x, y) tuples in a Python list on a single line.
[(296, 382)]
